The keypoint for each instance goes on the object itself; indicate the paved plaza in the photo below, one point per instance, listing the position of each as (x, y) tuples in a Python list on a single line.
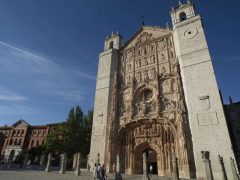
[(21, 174), (41, 175)]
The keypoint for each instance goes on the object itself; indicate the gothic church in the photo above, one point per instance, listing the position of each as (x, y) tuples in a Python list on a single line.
[(157, 96)]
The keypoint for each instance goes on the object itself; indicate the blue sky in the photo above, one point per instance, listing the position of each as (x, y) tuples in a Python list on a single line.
[(49, 50)]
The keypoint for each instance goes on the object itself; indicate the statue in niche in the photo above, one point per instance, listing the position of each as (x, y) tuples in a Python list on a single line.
[(152, 59), (163, 72), (138, 77), (142, 108), (153, 73), (138, 63), (129, 80), (139, 52), (129, 67), (145, 74), (145, 61), (163, 57)]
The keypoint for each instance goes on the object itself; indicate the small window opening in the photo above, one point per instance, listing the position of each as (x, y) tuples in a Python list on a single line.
[(111, 45), (182, 16)]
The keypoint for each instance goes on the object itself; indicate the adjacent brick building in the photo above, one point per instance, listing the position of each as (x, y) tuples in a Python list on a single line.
[(21, 137)]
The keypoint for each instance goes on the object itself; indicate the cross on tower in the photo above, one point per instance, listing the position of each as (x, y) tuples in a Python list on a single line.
[(142, 18)]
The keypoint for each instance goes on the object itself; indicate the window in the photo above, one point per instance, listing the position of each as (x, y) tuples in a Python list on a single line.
[(148, 94), (11, 141), (111, 45), (37, 143), (20, 142), (182, 16), (31, 145), (15, 142)]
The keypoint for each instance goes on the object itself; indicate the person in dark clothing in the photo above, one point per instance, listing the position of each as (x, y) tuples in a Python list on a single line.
[(103, 173)]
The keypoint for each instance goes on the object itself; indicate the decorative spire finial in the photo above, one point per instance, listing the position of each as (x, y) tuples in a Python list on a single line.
[(173, 8), (142, 18), (179, 3), (167, 25), (112, 33), (230, 100)]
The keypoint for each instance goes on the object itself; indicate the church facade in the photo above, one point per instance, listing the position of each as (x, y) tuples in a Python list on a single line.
[(157, 95)]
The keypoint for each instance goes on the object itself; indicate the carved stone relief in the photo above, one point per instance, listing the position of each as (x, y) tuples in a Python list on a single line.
[(151, 104)]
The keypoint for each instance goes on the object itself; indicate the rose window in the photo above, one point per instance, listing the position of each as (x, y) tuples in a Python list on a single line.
[(147, 95)]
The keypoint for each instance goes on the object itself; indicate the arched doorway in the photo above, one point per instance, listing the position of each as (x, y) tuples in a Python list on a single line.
[(11, 156), (152, 158)]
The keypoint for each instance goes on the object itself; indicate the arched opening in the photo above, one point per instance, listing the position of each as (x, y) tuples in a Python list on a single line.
[(20, 142), (171, 54), (37, 143), (32, 142), (151, 154), (11, 142), (16, 142), (145, 50), (111, 45), (182, 16), (11, 155)]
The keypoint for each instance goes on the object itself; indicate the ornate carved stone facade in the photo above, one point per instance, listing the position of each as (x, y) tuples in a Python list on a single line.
[(150, 109), (157, 97)]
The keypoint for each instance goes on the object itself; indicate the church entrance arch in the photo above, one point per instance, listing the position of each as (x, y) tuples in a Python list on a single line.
[(157, 138), (152, 152)]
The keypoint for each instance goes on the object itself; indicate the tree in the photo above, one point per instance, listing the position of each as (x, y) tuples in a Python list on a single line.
[(86, 133), (72, 136), (56, 140)]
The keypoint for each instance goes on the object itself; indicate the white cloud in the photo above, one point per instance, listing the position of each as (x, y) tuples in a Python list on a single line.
[(42, 75), (16, 110), (8, 95)]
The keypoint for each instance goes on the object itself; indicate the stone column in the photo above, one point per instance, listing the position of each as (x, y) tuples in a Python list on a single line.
[(77, 171), (47, 169), (206, 161), (63, 163), (74, 161), (42, 161), (234, 171), (118, 175), (25, 160), (224, 176), (175, 168), (145, 173)]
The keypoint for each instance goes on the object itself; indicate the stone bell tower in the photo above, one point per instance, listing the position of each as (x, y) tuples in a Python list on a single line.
[(208, 126), (107, 70)]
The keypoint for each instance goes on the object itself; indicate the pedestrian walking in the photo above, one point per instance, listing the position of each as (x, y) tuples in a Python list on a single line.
[(103, 173), (95, 171)]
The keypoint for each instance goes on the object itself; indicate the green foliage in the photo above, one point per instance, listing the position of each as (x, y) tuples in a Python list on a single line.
[(72, 136), (56, 140)]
